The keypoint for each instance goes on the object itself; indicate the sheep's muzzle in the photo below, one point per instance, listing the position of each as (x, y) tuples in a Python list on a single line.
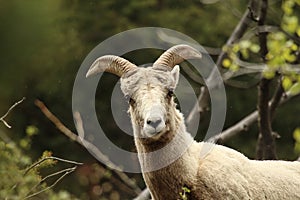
[(154, 121)]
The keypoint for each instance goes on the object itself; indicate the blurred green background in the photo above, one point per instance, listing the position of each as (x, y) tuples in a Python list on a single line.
[(42, 45)]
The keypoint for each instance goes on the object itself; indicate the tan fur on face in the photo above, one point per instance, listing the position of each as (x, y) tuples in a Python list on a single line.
[(148, 87)]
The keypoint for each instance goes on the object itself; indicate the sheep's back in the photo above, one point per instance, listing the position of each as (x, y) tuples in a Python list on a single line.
[(230, 174)]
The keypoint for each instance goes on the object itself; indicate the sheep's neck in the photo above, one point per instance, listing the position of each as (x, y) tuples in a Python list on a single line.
[(168, 148)]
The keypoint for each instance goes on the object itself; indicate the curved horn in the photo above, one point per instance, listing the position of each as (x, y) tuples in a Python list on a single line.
[(112, 64), (176, 55)]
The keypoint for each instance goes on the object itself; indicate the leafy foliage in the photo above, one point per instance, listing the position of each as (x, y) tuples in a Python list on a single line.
[(282, 44), (16, 184), (184, 193)]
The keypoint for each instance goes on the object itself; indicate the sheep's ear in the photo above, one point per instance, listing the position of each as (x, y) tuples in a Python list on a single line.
[(175, 74)]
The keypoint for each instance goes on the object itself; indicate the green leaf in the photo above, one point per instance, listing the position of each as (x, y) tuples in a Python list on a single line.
[(31, 130), (254, 48), (296, 135), (25, 143), (286, 83), (245, 53), (234, 67), (226, 63), (268, 74), (245, 44), (297, 148), (294, 47), (295, 89), (298, 31), (290, 24), (185, 189), (287, 7)]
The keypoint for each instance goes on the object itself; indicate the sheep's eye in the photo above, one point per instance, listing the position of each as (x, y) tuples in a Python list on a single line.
[(170, 94)]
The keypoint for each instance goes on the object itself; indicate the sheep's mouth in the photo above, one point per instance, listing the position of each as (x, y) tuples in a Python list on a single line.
[(155, 132)]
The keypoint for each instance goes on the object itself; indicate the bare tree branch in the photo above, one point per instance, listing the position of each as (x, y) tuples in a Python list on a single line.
[(243, 124), (275, 101), (50, 158), (49, 176), (60, 126), (80, 139), (8, 111), (53, 184), (238, 32), (266, 145), (104, 158)]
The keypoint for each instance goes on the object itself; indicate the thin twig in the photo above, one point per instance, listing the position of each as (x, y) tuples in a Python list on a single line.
[(276, 98), (80, 139), (71, 169), (50, 158), (52, 185), (8, 111)]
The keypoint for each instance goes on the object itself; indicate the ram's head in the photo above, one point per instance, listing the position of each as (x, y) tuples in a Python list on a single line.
[(149, 90)]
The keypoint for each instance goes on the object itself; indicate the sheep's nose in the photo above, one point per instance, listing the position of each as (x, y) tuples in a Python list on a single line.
[(154, 122)]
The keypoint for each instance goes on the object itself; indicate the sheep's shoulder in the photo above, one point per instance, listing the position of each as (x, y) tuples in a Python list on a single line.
[(222, 171)]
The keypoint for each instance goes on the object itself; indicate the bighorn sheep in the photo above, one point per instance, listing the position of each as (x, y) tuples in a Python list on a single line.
[(222, 174)]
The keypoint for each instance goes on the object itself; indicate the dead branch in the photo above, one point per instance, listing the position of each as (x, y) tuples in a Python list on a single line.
[(80, 139), (8, 111)]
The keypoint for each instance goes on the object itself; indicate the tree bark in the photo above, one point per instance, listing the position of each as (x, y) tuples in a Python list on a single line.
[(265, 142)]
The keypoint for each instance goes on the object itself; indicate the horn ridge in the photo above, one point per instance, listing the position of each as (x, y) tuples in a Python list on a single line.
[(112, 64), (176, 55)]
